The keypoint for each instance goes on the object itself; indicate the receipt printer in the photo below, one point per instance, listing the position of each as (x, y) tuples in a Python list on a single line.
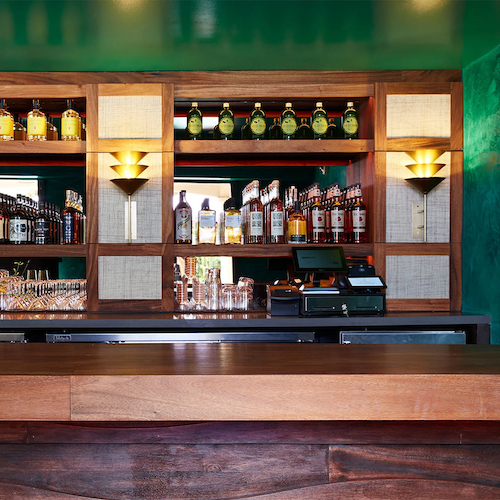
[(283, 300)]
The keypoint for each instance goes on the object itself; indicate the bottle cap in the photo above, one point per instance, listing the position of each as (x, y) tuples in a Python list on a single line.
[(350, 104), (230, 204), (194, 104), (319, 104), (225, 105), (288, 105), (36, 104), (2, 103), (257, 104), (205, 204)]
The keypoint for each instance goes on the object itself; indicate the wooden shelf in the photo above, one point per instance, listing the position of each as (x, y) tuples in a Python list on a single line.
[(23, 251), (43, 147), (262, 250)]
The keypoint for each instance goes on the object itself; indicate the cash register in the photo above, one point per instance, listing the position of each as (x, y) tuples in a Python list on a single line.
[(332, 286)]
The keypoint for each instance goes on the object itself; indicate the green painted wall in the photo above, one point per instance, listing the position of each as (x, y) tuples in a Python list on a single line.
[(481, 225)]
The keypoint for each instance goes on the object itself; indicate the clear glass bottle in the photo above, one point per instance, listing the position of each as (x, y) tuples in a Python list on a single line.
[(288, 122), (297, 226), (183, 220), (255, 223), (276, 215), (350, 123), (18, 224), (317, 217), (258, 124), (194, 127), (6, 123), (304, 131), (207, 226), (232, 223), (337, 216), (37, 123), (19, 129), (358, 215), (319, 122), (226, 122), (42, 226), (70, 123)]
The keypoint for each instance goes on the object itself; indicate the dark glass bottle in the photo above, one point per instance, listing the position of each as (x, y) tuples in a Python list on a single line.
[(288, 122), (19, 129), (319, 122), (194, 127), (332, 131), (183, 220), (70, 220), (18, 224), (4, 217), (304, 131), (42, 226), (258, 124), (226, 122), (275, 130), (245, 130), (350, 123)]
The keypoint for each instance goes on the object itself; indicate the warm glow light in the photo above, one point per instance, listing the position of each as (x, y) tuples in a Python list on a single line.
[(425, 155), (423, 6), (425, 169), (129, 157)]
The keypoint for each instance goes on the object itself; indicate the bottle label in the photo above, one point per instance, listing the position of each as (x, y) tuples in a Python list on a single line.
[(68, 227), (359, 221), (319, 125), (70, 126), (318, 220), (336, 192), (277, 223), (258, 125), (194, 125), (18, 230), (232, 221), (207, 220), (350, 125), (315, 193), (256, 224), (338, 217), (289, 125), (226, 126), (183, 224), (42, 232), (6, 126), (37, 125), (297, 231)]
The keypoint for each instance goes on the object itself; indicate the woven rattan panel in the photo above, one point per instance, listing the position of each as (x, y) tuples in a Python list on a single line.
[(112, 202), (132, 117), (400, 195), (418, 115), (130, 278), (417, 276)]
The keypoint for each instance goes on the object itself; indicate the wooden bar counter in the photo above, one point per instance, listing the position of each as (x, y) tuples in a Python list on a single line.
[(254, 421)]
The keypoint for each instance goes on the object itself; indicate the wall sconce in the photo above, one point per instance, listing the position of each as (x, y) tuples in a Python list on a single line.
[(129, 182), (424, 169)]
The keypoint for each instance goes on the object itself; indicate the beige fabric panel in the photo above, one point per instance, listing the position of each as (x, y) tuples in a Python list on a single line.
[(417, 276), (400, 195), (112, 202), (130, 278), (130, 117), (418, 115)]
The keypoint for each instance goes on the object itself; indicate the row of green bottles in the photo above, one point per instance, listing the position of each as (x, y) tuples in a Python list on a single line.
[(286, 127)]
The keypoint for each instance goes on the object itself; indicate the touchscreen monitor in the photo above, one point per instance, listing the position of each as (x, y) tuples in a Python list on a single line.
[(319, 260)]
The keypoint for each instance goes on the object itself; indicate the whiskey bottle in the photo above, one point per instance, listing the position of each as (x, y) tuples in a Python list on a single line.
[(245, 130), (6, 123), (331, 131), (304, 131), (183, 220), (70, 220), (18, 224), (4, 218), (232, 223), (82, 236), (275, 130), (255, 223), (358, 215), (276, 215), (288, 122), (37, 123), (258, 122), (350, 122), (226, 122), (317, 215), (70, 123), (51, 130), (42, 226), (319, 122), (207, 230), (337, 217), (19, 129), (297, 226), (194, 122)]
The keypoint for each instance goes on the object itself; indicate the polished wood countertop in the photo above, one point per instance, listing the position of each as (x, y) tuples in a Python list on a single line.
[(96, 382)]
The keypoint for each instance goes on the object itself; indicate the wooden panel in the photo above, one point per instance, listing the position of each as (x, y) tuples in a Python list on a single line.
[(405, 144), (418, 305), (457, 111), (168, 117), (130, 89), (456, 197), (112, 145), (92, 186), (43, 147), (92, 118), (379, 205), (417, 248), (130, 306), (20, 91), (143, 249), (167, 197), (43, 251), (419, 88), (380, 117), (93, 277), (34, 398), (282, 397), (13, 432), (456, 277)]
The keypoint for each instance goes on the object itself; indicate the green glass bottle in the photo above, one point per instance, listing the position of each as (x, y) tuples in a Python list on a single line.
[(350, 123), (319, 122), (304, 131), (331, 131), (194, 122), (275, 130), (288, 122), (245, 130), (226, 122), (258, 124)]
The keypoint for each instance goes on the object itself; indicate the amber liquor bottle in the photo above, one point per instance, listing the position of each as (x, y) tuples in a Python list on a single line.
[(275, 129), (255, 225), (317, 217), (358, 215), (6, 123), (37, 123), (70, 123), (337, 217), (304, 131), (276, 215), (297, 226)]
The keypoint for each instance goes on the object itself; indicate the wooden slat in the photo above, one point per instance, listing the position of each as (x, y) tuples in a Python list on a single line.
[(130, 305), (417, 248), (456, 277), (92, 209), (43, 250), (167, 197), (143, 249), (380, 125), (456, 196), (343, 397), (418, 305), (167, 117), (378, 207), (112, 145), (93, 277), (92, 122), (13, 432), (406, 144), (20, 91), (130, 89), (35, 398), (457, 112), (43, 147), (419, 88)]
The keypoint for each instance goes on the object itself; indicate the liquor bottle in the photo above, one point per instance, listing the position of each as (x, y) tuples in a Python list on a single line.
[(328, 213), (232, 223), (42, 226), (37, 123), (348, 201), (288, 122), (275, 130), (19, 129), (51, 130), (245, 130), (358, 215), (70, 220), (82, 236), (194, 122), (258, 122), (317, 217), (331, 131), (319, 122), (18, 224), (70, 123), (6, 123), (350, 122), (226, 122), (304, 131), (83, 129), (206, 224), (183, 221), (255, 224), (297, 226), (337, 216), (276, 215), (3, 218)]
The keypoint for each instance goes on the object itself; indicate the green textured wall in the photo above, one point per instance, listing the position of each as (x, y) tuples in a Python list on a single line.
[(481, 226)]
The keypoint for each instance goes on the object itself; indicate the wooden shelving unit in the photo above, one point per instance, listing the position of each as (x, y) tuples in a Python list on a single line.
[(26, 251)]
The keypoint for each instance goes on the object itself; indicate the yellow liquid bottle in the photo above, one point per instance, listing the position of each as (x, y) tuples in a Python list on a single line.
[(70, 123), (37, 123), (6, 123)]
